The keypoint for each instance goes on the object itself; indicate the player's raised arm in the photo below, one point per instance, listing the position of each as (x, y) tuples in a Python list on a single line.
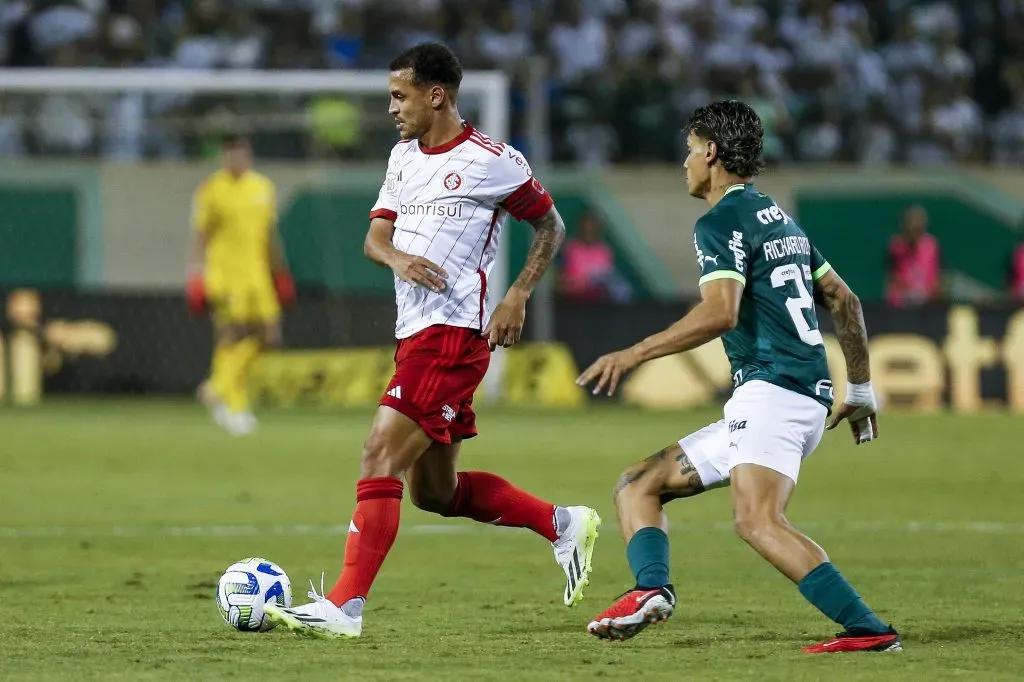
[(859, 405)]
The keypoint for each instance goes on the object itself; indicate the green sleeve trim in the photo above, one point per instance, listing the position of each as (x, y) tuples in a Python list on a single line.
[(820, 272), (722, 274)]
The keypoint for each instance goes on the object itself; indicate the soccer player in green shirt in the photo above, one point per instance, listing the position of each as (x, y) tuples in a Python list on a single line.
[(758, 272)]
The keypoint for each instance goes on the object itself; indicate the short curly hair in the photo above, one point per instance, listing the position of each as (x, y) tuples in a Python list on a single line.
[(737, 131), (431, 64)]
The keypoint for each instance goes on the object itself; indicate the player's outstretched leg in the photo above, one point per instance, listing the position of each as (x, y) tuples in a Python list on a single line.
[(760, 496), (395, 443), (640, 495), (435, 485)]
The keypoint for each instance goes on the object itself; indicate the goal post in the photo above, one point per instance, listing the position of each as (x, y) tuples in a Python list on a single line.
[(275, 100)]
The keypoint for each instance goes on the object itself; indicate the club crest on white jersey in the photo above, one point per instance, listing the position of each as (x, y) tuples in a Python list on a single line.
[(449, 205)]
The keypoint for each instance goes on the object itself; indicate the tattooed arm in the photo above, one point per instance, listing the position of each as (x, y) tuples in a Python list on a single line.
[(506, 323), (549, 234), (844, 306), (859, 405)]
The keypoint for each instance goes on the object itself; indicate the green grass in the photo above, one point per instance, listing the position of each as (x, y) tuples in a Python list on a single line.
[(116, 519)]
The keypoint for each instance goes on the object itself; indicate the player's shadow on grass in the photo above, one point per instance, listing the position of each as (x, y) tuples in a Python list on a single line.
[(676, 638), (959, 632)]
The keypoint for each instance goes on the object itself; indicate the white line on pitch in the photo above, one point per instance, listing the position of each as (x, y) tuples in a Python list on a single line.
[(972, 527)]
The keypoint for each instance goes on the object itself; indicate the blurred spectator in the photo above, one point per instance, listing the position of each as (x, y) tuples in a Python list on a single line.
[(821, 139), (345, 40), (1008, 129), (504, 44), (876, 141), (915, 274), (1016, 279), (125, 119), (588, 266), (579, 43), (869, 81)]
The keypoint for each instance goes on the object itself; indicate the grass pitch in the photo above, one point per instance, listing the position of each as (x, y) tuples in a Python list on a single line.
[(116, 519)]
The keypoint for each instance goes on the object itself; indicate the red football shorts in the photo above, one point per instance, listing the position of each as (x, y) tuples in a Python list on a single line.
[(437, 370)]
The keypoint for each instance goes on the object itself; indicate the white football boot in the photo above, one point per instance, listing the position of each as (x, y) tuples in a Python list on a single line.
[(319, 618), (240, 423), (574, 551)]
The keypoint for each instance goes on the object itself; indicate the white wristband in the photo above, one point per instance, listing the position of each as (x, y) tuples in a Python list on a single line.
[(859, 394)]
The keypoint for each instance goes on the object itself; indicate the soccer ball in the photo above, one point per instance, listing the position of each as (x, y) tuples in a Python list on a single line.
[(245, 587)]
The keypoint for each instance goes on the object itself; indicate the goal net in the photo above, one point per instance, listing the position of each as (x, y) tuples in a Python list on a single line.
[(96, 185)]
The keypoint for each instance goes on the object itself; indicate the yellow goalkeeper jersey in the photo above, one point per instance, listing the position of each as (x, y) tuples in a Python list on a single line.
[(237, 216)]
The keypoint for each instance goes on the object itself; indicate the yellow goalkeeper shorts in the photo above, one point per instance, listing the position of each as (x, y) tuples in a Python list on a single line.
[(251, 304)]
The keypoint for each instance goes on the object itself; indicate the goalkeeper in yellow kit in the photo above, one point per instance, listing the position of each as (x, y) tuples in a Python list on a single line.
[(238, 273)]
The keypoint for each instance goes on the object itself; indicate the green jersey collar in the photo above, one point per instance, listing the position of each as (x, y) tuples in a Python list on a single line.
[(734, 188)]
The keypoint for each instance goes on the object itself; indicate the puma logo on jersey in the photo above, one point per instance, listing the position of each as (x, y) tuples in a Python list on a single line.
[(772, 214), (713, 259)]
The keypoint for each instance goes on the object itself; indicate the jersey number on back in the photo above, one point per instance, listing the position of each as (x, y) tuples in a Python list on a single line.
[(796, 306)]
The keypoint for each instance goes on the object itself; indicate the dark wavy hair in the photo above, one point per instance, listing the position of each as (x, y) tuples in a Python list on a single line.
[(431, 64), (737, 131)]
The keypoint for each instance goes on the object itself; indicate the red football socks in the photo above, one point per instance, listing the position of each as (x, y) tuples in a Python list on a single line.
[(487, 498), (370, 536)]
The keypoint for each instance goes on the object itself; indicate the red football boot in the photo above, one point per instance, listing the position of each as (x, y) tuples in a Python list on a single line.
[(634, 611), (858, 641)]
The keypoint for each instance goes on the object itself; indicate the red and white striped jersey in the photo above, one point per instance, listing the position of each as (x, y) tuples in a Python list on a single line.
[(449, 204)]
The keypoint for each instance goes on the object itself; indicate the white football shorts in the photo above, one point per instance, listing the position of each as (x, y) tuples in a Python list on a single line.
[(764, 424)]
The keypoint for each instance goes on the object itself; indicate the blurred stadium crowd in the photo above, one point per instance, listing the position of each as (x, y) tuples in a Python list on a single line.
[(863, 81)]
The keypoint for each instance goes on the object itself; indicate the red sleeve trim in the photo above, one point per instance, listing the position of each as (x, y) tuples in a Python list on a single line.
[(529, 202), (385, 213)]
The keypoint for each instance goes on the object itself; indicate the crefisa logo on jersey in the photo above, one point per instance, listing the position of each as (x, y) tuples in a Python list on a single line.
[(700, 254), (452, 181)]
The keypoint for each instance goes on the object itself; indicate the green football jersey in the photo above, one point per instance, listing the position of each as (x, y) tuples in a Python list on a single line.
[(748, 238)]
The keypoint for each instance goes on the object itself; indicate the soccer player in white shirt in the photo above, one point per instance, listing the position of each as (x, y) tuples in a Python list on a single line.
[(446, 194)]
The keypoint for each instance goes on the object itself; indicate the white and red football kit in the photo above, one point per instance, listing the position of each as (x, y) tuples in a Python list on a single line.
[(449, 204)]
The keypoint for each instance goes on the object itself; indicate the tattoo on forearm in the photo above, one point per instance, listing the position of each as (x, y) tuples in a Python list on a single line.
[(550, 231), (851, 331)]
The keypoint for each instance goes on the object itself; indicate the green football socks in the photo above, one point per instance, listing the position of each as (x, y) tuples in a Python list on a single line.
[(647, 552), (827, 589)]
